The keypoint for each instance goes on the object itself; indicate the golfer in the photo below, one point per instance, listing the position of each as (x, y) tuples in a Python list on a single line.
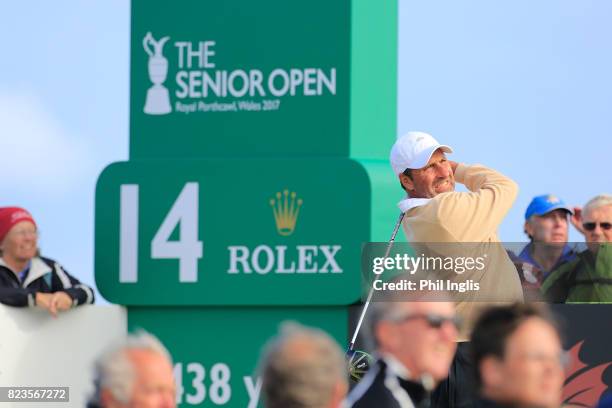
[(436, 213)]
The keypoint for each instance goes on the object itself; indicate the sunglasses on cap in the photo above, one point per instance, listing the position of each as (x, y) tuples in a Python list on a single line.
[(435, 321), (590, 226)]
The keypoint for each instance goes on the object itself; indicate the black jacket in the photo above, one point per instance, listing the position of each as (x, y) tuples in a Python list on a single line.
[(44, 275), (381, 388)]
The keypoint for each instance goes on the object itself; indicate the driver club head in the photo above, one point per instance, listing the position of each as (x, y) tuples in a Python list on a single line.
[(359, 363)]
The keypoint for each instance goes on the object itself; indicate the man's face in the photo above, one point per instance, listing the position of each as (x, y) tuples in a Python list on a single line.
[(550, 227), (598, 234), (154, 382), (435, 178), (421, 348), (531, 372), (21, 242)]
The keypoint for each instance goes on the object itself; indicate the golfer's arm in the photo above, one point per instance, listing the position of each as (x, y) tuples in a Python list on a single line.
[(477, 214)]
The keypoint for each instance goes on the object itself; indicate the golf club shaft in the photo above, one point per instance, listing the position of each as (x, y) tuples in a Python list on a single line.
[(368, 300)]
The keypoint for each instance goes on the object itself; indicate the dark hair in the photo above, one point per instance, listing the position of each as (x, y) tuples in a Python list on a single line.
[(497, 324), (407, 173)]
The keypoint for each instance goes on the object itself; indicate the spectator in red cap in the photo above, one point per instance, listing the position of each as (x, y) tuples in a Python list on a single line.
[(27, 279)]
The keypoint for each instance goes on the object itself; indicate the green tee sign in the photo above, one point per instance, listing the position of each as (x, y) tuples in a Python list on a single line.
[(231, 232), (259, 135), (239, 77)]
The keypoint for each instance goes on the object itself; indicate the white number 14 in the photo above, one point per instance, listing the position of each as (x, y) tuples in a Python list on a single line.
[(187, 249)]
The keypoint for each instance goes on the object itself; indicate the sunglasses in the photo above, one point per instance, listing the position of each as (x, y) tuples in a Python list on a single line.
[(590, 226), (434, 321)]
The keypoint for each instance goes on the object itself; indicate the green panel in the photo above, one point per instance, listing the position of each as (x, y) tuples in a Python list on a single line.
[(255, 37), (373, 115), (206, 339), (386, 193), (234, 216)]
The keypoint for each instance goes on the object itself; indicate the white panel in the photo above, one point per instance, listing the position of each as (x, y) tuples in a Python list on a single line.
[(39, 350)]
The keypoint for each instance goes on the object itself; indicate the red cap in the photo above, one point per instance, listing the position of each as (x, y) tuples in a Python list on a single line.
[(9, 216)]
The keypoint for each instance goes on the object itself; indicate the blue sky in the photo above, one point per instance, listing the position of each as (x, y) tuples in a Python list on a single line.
[(521, 86), (64, 89), (524, 87)]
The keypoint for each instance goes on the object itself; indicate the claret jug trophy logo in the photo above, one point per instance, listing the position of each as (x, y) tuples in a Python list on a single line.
[(286, 208), (194, 70), (158, 98)]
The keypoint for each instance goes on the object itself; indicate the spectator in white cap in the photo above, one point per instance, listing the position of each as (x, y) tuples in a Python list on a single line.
[(436, 213), (588, 278)]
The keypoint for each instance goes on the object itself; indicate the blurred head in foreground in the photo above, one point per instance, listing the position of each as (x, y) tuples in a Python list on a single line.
[(137, 373), (518, 356), (303, 367), (421, 335)]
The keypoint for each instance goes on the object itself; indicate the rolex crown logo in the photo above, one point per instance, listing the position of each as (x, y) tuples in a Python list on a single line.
[(286, 209)]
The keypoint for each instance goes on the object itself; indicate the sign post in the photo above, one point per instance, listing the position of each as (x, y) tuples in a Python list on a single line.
[(259, 134)]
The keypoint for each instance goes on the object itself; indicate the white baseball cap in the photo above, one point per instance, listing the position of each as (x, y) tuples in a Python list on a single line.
[(413, 150)]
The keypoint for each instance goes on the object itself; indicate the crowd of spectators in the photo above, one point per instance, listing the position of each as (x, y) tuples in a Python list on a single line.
[(555, 270)]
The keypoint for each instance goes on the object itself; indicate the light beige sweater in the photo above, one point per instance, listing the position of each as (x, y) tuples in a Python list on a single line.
[(470, 217)]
